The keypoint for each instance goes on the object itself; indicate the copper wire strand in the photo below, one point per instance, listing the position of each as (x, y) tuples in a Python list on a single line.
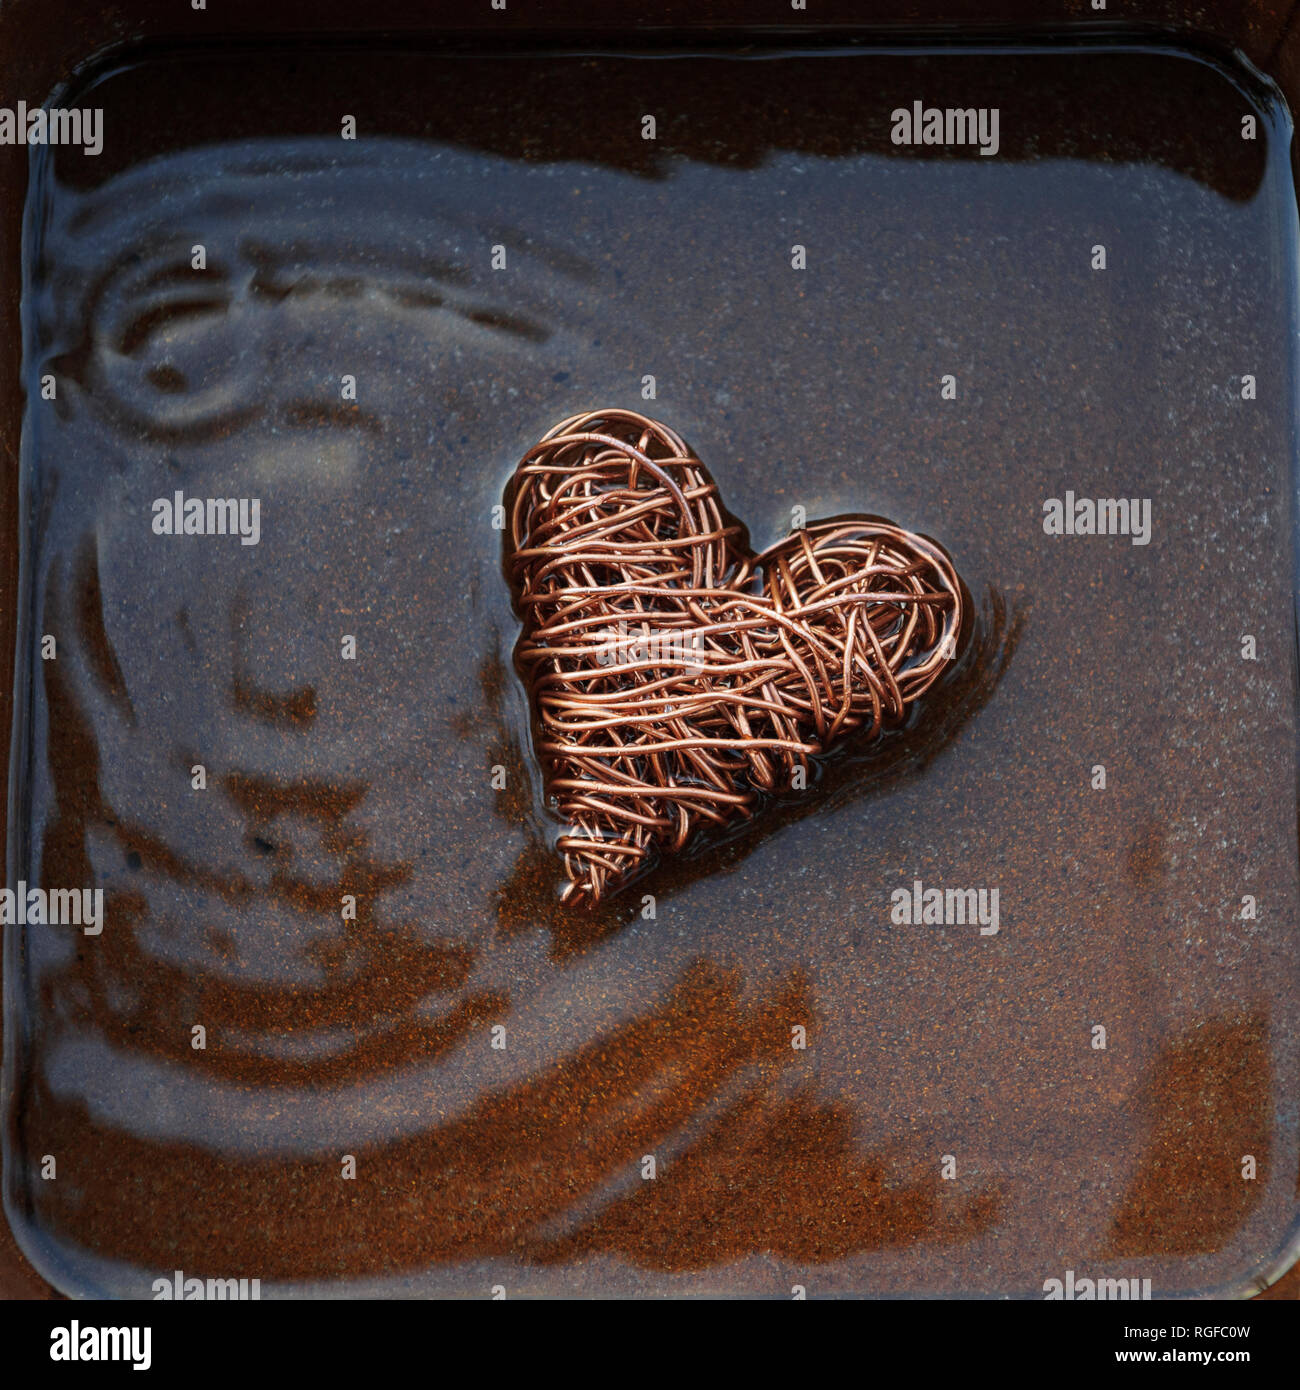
[(761, 662)]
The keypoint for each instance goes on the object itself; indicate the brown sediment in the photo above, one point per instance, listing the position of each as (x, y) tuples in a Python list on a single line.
[(296, 709), (486, 1184), (293, 709), (1208, 1099), (780, 1174)]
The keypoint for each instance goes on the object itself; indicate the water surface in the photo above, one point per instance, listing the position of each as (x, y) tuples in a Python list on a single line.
[(370, 778)]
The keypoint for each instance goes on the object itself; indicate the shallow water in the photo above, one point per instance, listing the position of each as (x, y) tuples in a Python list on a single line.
[(625, 1037)]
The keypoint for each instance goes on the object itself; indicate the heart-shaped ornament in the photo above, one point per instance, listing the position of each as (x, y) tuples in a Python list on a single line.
[(675, 677)]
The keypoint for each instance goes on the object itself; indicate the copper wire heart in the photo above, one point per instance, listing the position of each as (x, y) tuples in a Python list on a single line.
[(674, 676)]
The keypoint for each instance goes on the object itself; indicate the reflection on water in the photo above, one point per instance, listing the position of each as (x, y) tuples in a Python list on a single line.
[(303, 855), (366, 981)]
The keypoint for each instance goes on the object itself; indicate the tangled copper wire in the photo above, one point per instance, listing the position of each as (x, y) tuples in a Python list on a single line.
[(674, 676)]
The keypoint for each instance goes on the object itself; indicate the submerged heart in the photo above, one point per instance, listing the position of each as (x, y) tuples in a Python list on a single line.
[(675, 677)]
